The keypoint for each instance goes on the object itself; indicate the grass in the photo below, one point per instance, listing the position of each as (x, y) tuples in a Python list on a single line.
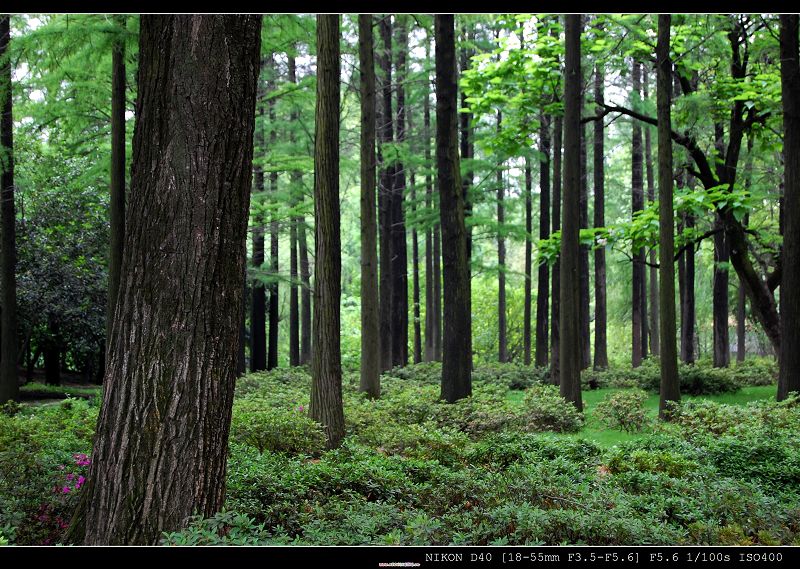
[(595, 430), (59, 390)]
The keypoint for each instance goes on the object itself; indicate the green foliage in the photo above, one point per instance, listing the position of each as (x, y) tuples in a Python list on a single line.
[(225, 528), (545, 410), (624, 410), (267, 428)]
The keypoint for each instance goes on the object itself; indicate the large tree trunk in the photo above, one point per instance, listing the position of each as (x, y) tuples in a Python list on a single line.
[(385, 130), (543, 282), (117, 197), (502, 342), (161, 446), (526, 317), (653, 326), (326, 360), (370, 349), (9, 383), (670, 384), (456, 357), (397, 218), (555, 309), (789, 378), (638, 297), (583, 260), (569, 326), (258, 305), (600, 307)]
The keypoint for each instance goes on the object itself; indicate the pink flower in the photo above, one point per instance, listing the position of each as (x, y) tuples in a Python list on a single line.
[(70, 476), (301, 408), (65, 490)]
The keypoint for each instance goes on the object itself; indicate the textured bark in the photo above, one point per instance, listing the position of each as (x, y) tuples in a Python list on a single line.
[(638, 297), (670, 383), (161, 443), (9, 384), (467, 146), (653, 311), (789, 378), (543, 280), (600, 305), (117, 197), (274, 290), (569, 326), (385, 130), (456, 356), (526, 317), (326, 360), (399, 249), (502, 341), (258, 305), (721, 347), (555, 318), (370, 349), (294, 226)]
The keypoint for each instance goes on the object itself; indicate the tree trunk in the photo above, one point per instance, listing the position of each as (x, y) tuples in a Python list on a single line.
[(569, 327), (688, 312), (639, 317), (161, 446), (326, 360), (9, 382), (398, 225), (789, 378), (258, 306), (600, 307), (432, 322), (502, 342), (722, 353), (295, 193), (583, 260), (456, 355), (467, 144), (385, 130), (305, 291), (555, 315), (370, 349), (654, 327), (117, 197), (415, 273), (526, 325), (670, 383), (241, 359), (543, 277), (274, 291)]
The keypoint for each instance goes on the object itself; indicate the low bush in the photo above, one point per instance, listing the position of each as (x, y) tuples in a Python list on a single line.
[(624, 410), (268, 428), (545, 410)]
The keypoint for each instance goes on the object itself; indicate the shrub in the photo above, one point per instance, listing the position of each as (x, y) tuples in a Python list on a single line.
[(623, 410), (670, 463), (224, 528), (267, 428), (545, 410)]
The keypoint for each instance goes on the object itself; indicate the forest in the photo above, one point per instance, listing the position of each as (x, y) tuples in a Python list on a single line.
[(399, 279)]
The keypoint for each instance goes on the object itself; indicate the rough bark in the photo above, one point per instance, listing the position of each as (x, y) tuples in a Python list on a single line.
[(370, 349), (789, 377), (326, 360), (569, 326), (670, 383), (161, 443), (543, 277), (9, 384), (456, 356), (555, 309), (600, 305)]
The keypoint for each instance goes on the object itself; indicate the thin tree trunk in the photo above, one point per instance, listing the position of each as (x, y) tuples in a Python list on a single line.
[(569, 327), (161, 444), (9, 383), (415, 283), (370, 349), (789, 378), (274, 292), (638, 315), (326, 361), (741, 301), (258, 306), (526, 326), (722, 352), (600, 307), (306, 346), (241, 359), (117, 198), (456, 356), (555, 315), (653, 311), (295, 196), (543, 280), (583, 260), (502, 343), (432, 323), (670, 383), (467, 144)]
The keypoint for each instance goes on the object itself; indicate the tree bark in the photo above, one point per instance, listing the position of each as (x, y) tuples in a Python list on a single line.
[(117, 197), (789, 377), (9, 382), (370, 349), (161, 446), (502, 342), (274, 289), (432, 304), (295, 356), (326, 360), (467, 144), (638, 315), (653, 327), (569, 326), (543, 277), (600, 306), (721, 353), (258, 305), (456, 355), (526, 317), (555, 314), (670, 383), (415, 279), (583, 260)]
